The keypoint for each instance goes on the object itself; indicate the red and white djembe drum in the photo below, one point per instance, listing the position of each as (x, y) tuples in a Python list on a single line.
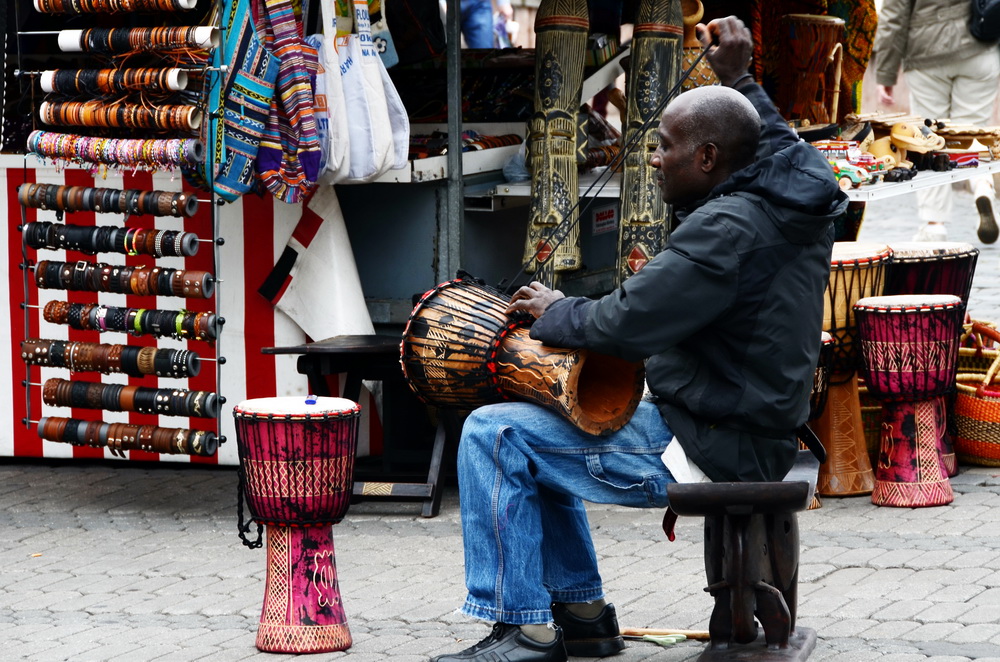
[(909, 344), (297, 473), (857, 270)]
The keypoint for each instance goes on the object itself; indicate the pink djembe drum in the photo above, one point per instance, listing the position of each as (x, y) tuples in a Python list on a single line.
[(945, 267), (909, 344), (921, 267), (856, 271), (297, 472)]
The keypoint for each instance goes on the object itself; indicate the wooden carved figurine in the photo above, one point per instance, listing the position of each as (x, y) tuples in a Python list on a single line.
[(654, 70), (553, 237)]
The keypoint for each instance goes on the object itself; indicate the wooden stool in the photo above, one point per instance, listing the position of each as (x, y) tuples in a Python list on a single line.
[(752, 562)]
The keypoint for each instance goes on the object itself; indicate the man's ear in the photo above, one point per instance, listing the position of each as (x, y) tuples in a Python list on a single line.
[(709, 157)]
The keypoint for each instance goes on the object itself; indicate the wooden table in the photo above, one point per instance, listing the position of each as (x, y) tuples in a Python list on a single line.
[(376, 358)]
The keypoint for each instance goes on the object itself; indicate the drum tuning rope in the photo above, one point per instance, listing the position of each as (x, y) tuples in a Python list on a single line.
[(559, 233)]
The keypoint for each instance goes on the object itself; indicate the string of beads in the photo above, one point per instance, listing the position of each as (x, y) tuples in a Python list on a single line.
[(140, 154)]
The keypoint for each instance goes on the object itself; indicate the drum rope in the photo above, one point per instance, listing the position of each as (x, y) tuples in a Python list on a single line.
[(242, 523), (559, 233)]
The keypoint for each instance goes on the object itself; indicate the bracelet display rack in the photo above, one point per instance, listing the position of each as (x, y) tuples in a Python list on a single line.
[(124, 268)]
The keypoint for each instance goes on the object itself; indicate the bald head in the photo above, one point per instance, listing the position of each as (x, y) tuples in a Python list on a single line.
[(718, 115)]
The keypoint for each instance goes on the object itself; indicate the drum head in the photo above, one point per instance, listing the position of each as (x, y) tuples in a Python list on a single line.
[(845, 252), (296, 406), (916, 251), (908, 301)]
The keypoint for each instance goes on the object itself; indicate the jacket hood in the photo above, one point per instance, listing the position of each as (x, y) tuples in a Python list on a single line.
[(799, 182)]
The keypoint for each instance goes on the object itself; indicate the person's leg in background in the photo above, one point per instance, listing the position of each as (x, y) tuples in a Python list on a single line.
[(963, 92), (974, 96), (930, 97), (477, 23)]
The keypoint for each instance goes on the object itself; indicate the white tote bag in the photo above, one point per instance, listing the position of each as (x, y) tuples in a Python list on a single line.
[(371, 140), (398, 120), (336, 138)]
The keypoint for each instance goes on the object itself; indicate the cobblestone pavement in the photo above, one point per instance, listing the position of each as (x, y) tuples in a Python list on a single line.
[(120, 562), (130, 563)]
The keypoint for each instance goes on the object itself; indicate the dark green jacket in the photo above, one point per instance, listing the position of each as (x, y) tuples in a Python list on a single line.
[(729, 315)]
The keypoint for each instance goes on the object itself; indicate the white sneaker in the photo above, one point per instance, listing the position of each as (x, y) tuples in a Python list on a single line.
[(987, 229), (931, 232)]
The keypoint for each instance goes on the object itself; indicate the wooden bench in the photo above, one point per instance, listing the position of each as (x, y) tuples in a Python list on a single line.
[(752, 562)]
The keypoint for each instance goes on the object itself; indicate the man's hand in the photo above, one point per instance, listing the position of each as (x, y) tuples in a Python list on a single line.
[(506, 10), (533, 299), (733, 50), (885, 96)]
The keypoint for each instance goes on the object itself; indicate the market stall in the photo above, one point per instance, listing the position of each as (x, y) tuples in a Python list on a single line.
[(285, 271)]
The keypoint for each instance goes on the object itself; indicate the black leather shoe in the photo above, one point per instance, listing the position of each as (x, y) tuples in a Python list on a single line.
[(589, 637), (506, 643)]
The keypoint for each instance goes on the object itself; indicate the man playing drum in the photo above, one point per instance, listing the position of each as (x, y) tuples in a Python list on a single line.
[(728, 318)]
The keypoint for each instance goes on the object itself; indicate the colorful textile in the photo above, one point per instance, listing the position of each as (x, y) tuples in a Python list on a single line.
[(289, 156), (243, 94), (862, 20)]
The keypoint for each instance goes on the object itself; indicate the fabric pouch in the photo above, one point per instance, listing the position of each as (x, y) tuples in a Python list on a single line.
[(243, 96), (289, 155), (336, 143), (371, 139)]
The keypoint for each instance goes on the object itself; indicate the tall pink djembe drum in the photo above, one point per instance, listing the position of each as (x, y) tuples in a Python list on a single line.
[(909, 344), (297, 473)]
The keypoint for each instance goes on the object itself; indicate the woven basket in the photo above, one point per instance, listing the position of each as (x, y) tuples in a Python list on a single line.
[(977, 350), (977, 409)]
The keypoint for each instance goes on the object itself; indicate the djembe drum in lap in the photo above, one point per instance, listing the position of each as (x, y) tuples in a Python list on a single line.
[(909, 345), (856, 271), (460, 349), (297, 473)]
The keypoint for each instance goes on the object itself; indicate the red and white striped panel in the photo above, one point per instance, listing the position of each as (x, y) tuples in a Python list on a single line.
[(255, 230)]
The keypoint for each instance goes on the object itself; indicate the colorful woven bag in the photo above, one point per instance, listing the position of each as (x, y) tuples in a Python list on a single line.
[(237, 103), (977, 408), (289, 155)]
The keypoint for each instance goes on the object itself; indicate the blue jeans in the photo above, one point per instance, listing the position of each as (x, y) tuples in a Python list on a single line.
[(477, 23), (523, 474)]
